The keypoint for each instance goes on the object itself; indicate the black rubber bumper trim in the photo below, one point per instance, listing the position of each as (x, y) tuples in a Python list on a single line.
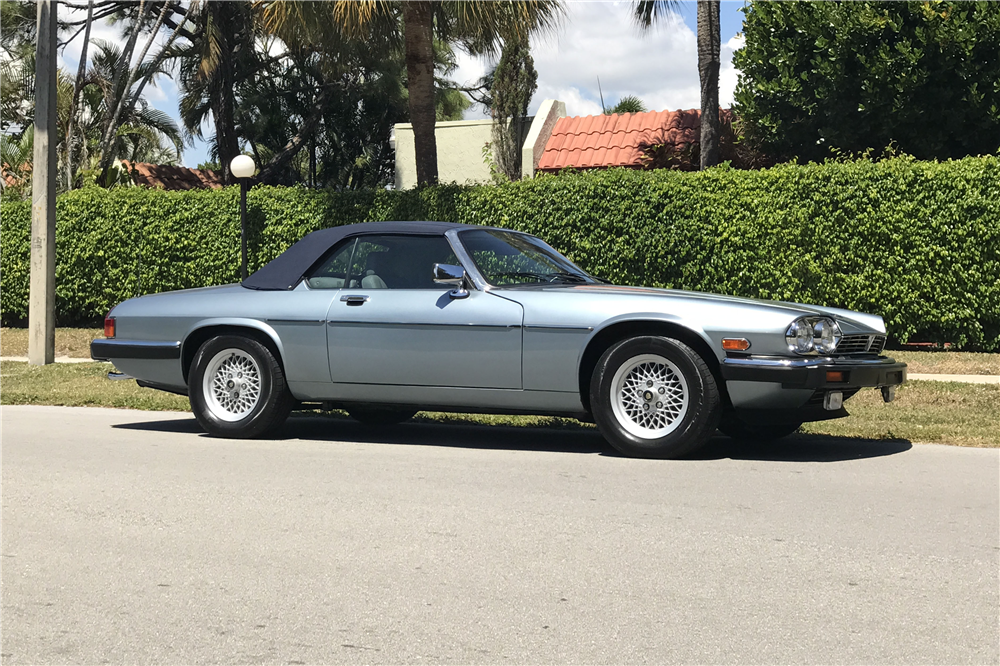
[(812, 374), (179, 390), (105, 350)]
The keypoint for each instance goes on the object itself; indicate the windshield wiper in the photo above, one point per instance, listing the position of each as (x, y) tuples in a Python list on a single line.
[(568, 277)]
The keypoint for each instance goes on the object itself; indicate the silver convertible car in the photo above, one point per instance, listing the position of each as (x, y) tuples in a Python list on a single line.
[(386, 318)]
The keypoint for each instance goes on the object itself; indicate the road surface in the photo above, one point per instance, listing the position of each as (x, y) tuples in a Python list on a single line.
[(129, 537)]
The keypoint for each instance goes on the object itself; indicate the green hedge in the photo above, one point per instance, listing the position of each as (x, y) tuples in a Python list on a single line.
[(916, 242)]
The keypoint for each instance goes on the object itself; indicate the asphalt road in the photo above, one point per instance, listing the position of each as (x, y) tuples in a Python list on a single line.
[(129, 537)]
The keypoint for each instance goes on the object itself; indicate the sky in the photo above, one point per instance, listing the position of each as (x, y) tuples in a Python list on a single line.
[(596, 39)]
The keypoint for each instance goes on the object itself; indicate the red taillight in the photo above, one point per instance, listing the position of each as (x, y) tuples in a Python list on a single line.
[(109, 327)]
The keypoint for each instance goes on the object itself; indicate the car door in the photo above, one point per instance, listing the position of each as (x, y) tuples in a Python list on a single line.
[(391, 324)]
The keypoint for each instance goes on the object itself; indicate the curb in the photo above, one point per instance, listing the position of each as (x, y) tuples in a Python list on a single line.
[(59, 359)]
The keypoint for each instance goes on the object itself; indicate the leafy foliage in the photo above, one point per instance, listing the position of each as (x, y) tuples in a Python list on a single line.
[(916, 242), (627, 104), (514, 82), (818, 77)]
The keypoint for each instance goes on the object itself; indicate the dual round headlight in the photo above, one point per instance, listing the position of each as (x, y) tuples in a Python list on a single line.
[(810, 335)]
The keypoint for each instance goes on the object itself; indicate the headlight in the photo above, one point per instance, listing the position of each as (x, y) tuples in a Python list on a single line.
[(799, 337), (826, 335), (813, 334)]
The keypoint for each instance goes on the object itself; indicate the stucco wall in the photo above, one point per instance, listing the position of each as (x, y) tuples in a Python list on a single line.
[(459, 148)]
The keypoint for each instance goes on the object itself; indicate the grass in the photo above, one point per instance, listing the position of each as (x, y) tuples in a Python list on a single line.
[(941, 412), (948, 362), (75, 342)]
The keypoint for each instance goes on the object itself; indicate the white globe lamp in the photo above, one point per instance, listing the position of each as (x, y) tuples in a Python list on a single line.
[(243, 167)]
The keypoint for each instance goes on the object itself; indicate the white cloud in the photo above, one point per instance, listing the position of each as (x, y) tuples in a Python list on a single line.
[(599, 39)]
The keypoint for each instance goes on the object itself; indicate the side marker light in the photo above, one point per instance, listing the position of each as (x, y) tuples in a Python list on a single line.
[(735, 344)]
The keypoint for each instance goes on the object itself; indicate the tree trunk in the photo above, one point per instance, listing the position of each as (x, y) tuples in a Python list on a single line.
[(224, 102), (81, 72), (709, 44), (295, 144), (418, 27), (107, 141)]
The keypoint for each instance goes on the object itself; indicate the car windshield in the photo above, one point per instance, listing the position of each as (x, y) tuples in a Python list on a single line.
[(506, 258)]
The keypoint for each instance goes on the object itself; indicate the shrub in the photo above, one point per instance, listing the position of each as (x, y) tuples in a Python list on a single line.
[(916, 242)]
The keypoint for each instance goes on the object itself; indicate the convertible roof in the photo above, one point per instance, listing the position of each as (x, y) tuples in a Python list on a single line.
[(284, 271)]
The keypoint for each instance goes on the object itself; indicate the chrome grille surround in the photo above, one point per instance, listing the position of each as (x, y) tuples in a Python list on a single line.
[(861, 344)]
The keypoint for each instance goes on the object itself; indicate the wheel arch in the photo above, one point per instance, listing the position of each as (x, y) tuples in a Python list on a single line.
[(251, 328), (613, 333)]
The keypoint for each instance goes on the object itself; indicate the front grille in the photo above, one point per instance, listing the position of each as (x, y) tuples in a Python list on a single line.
[(861, 344)]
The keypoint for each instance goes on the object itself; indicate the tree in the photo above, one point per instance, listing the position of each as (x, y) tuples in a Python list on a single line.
[(819, 78), (627, 104), (514, 82), (480, 27), (648, 12)]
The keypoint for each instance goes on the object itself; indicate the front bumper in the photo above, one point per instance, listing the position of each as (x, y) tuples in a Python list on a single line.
[(814, 373)]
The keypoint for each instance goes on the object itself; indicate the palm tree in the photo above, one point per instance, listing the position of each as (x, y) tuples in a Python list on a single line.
[(648, 12), (480, 27)]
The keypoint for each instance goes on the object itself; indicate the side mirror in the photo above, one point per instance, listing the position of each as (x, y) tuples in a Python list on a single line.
[(451, 275)]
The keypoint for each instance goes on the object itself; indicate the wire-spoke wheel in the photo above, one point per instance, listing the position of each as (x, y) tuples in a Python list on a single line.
[(654, 397), (237, 388), (649, 396), (232, 384)]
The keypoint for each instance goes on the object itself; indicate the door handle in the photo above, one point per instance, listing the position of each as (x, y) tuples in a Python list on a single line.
[(354, 299)]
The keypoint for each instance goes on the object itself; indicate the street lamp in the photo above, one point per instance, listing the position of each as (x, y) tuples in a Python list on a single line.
[(243, 167)]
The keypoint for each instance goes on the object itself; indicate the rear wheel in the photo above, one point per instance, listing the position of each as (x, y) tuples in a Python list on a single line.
[(739, 429), (237, 388), (380, 416), (654, 397)]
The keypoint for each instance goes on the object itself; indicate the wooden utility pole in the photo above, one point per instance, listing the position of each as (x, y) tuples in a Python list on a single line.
[(42, 296)]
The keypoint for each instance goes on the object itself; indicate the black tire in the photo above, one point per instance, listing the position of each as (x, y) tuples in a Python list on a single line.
[(380, 416), (274, 402), (689, 429), (732, 426)]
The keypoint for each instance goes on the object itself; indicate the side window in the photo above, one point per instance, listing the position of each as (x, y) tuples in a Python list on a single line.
[(332, 273), (399, 262)]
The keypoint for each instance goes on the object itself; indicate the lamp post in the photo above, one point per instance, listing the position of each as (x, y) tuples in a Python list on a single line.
[(243, 167)]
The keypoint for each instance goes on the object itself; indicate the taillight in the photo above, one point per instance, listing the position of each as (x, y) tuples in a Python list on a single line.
[(109, 327)]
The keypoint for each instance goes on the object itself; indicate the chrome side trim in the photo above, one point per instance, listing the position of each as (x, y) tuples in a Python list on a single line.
[(556, 327), (295, 321), (412, 324)]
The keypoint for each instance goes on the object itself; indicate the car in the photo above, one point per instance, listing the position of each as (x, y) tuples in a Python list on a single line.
[(383, 319)]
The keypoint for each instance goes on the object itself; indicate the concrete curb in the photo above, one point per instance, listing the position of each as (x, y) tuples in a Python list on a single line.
[(965, 379), (59, 359)]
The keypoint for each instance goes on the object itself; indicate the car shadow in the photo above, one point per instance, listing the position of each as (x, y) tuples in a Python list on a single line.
[(794, 448)]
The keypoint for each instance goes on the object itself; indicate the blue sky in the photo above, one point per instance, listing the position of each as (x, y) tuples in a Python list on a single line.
[(597, 39)]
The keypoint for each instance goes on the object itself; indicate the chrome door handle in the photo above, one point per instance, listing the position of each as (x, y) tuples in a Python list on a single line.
[(354, 300)]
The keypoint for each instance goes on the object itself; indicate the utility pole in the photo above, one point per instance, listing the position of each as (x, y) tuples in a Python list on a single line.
[(42, 297)]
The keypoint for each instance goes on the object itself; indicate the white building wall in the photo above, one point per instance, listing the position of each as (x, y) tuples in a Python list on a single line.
[(459, 148)]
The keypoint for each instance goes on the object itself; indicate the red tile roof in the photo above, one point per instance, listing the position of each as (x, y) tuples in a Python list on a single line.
[(173, 177), (586, 142)]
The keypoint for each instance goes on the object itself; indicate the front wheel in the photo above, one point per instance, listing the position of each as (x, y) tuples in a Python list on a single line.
[(237, 388), (654, 397)]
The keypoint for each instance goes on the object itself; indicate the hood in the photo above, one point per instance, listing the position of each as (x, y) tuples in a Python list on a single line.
[(859, 319)]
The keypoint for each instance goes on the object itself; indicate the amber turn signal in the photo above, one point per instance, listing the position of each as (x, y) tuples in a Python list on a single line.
[(109, 327), (833, 376), (735, 344)]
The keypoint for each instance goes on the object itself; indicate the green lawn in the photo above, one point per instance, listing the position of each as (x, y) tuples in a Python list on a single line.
[(944, 412)]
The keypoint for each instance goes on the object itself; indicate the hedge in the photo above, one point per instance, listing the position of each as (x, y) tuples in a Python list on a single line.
[(916, 242)]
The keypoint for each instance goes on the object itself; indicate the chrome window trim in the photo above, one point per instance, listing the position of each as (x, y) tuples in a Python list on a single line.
[(466, 260)]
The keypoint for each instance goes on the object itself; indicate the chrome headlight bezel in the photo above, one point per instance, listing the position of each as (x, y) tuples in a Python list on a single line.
[(813, 335)]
